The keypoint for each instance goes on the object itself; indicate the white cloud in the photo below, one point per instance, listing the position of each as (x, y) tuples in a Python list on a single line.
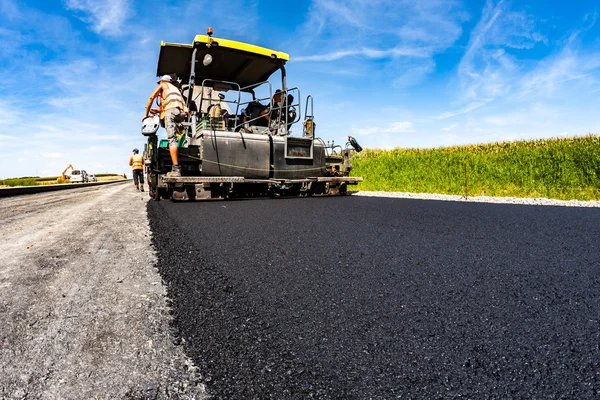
[(567, 66), (447, 139), (394, 127), (105, 16), (487, 69), (6, 138), (424, 22), (365, 131), (450, 127), (399, 127), (523, 115), (402, 29), (366, 52), (496, 70), (467, 109), (10, 114), (8, 9), (53, 155), (413, 75)]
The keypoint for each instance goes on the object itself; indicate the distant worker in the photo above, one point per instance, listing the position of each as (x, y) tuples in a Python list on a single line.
[(172, 111), (137, 165)]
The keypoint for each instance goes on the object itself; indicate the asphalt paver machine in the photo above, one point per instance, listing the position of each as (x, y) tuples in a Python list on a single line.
[(232, 144)]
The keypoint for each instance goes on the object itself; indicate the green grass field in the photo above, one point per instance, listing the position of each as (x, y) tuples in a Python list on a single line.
[(562, 168), (31, 181), (48, 180)]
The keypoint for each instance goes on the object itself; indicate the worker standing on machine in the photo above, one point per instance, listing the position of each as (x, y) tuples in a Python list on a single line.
[(172, 111), (136, 162)]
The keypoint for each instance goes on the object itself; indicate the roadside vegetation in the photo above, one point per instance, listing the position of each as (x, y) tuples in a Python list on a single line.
[(562, 168), (25, 181), (48, 180)]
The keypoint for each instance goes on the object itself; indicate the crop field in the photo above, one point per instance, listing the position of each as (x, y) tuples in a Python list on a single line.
[(48, 180), (561, 168)]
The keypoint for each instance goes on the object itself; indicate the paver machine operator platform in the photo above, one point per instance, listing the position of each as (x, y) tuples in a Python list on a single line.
[(231, 144)]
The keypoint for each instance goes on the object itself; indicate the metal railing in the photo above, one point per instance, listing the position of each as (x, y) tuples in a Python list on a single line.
[(287, 112)]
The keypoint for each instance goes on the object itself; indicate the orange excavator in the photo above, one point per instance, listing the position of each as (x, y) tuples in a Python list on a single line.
[(63, 178)]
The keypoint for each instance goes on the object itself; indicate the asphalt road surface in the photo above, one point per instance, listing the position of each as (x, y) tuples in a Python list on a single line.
[(373, 298), (83, 313)]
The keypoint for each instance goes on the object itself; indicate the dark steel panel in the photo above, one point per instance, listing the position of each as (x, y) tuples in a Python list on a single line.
[(236, 154), (290, 168)]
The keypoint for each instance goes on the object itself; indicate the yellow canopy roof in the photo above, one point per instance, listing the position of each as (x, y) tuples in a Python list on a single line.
[(242, 63), (246, 47)]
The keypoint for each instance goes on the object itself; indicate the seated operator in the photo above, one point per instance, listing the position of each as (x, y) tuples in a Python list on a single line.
[(275, 107), (255, 113)]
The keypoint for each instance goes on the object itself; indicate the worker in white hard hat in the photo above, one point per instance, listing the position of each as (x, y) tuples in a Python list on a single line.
[(173, 111)]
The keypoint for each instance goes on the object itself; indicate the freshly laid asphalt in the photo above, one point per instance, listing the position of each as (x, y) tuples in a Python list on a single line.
[(375, 298)]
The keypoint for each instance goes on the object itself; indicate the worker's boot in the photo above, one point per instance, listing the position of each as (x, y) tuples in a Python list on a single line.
[(137, 188), (141, 188), (175, 171)]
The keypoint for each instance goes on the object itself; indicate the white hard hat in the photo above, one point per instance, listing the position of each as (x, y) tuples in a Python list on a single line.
[(165, 78)]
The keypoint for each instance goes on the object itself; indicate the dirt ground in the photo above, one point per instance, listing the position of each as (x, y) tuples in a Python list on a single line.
[(83, 309)]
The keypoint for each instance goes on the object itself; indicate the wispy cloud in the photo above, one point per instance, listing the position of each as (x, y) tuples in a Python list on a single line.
[(566, 67), (392, 128), (427, 22), (399, 127), (413, 73), (105, 16), (467, 109), (494, 67), (8, 9), (447, 139), (402, 29), (487, 68), (450, 127), (368, 53), (53, 155)]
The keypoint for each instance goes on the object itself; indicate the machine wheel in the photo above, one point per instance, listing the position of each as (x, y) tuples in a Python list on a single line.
[(294, 190), (163, 194), (152, 189), (272, 192), (154, 195), (343, 190)]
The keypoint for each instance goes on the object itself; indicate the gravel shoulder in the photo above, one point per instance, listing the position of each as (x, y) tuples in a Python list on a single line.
[(481, 199), (84, 312)]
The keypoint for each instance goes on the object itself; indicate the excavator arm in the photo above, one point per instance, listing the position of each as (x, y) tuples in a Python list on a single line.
[(64, 173)]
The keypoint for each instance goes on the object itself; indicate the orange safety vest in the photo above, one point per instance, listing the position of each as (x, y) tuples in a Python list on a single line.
[(136, 161), (173, 99)]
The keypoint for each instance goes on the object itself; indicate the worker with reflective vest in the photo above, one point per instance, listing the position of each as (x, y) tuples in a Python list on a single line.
[(172, 111), (136, 162)]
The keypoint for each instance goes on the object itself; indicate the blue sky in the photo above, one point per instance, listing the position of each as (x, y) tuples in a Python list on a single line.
[(76, 74)]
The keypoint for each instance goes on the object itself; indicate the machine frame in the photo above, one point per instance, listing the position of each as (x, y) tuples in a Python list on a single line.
[(233, 154)]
